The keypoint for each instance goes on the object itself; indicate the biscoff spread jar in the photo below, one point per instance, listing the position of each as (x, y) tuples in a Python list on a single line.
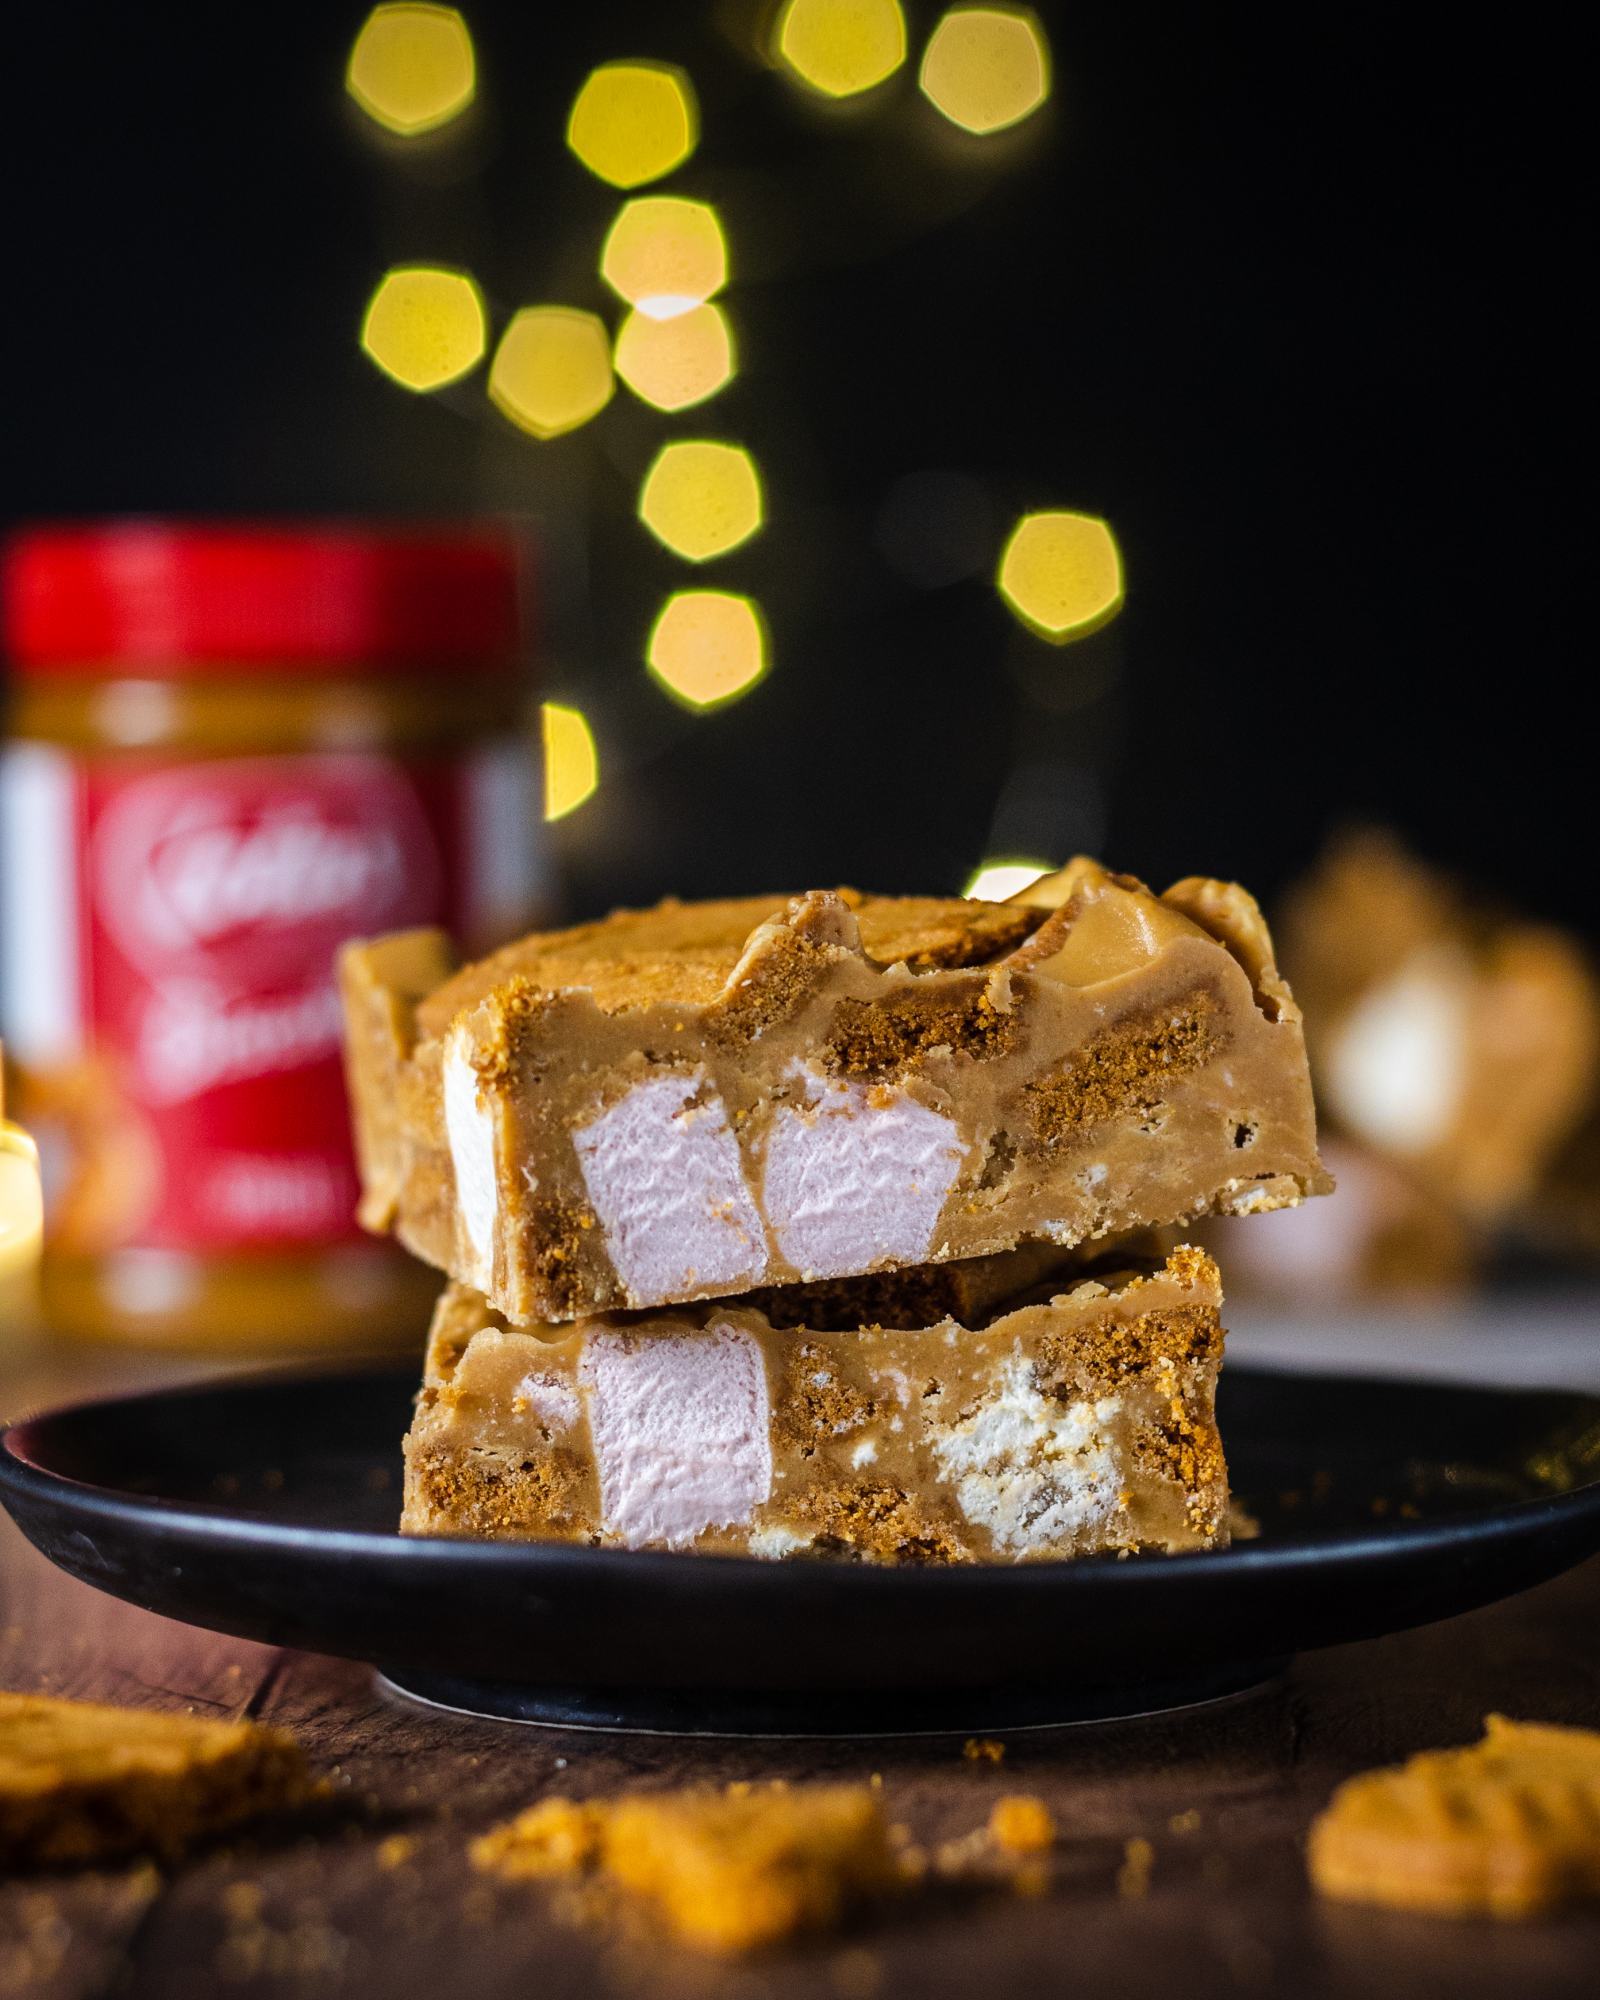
[(230, 749)]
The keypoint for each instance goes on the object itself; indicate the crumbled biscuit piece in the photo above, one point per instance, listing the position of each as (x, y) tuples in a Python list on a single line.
[(983, 1750), (1133, 1877), (81, 1782), (728, 1872), (1021, 1824), (1508, 1827), (555, 1837)]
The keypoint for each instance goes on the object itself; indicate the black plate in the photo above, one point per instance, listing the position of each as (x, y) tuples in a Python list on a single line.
[(266, 1507)]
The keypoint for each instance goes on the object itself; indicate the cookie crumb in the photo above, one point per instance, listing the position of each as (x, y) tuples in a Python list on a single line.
[(1133, 1877), (553, 1838), (1021, 1824), (726, 1872), (983, 1750), (83, 1782)]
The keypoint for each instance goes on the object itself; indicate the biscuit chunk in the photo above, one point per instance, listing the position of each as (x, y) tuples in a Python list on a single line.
[(725, 1872), (1507, 1827), (702, 1100), (1076, 1421), (80, 1782)]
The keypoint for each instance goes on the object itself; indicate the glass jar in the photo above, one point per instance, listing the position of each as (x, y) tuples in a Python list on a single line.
[(231, 749)]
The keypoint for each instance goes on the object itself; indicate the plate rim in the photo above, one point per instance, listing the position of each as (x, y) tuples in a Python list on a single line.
[(23, 1477)]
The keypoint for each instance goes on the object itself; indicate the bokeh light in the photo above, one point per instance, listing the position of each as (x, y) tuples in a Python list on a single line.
[(552, 370), (665, 255), (1061, 574), (998, 881), (21, 1221), (425, 326), (678, 362), (841, 47), (707, 646), (632, 122), (412, 68), (571, 762), (701, 499), (986, 67)]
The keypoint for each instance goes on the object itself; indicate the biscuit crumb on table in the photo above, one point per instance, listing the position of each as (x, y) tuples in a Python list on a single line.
[(983, 1750), (82, 1782), (727, 1872), (1506, 1827), (1133, 1877), (1021, 1824)]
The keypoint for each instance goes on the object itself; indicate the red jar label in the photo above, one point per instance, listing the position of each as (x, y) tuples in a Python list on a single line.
[(170, 933)]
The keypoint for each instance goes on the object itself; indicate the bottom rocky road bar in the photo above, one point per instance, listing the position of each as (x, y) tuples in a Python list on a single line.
[(1077, 1421)]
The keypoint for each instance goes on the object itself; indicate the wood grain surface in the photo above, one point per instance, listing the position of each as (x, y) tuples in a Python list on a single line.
[(373, 1897)]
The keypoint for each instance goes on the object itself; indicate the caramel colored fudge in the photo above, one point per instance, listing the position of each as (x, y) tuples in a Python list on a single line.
[(1458, 1042), (80, 1782), (704, 1099), (1069, 1424), (724, 1872)]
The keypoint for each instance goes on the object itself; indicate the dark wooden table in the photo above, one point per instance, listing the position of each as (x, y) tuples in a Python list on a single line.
[(377, 1900)]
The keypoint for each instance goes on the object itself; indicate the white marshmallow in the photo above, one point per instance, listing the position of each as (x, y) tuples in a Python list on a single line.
[(665, 1180), (1396, 1069), (1031, 1470), (469, 1126), (853, 1181), (773, 1543), (679, 1421)]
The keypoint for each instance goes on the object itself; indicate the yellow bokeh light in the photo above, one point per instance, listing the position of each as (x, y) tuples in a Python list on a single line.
[(412, 68), (1062, 574), (841, 47), (701, 499), (986, 67), (707, 646), (665, 255), (571, 762), (552, 370), (676, 363), (632, 122), (425, 326), (21, 1222), (999, 881)]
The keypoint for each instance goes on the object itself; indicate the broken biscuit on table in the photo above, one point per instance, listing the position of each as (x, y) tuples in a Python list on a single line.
[(82, 1782), (725, 1872), (701, 1100), (1506, 1827)]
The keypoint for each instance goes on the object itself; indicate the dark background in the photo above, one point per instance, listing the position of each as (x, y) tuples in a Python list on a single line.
[(1292, 297)]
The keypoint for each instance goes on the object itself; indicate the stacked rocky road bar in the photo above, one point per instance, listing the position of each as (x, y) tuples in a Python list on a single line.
[(809, 1228)]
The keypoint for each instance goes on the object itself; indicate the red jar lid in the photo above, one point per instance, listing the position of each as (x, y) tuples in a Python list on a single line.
[(167, 598)]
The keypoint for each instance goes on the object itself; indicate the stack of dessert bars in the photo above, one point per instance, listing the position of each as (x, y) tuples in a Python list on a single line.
[(832, 1227)]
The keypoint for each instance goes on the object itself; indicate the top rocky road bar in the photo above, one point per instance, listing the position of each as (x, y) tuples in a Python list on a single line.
[(694, 1100)]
